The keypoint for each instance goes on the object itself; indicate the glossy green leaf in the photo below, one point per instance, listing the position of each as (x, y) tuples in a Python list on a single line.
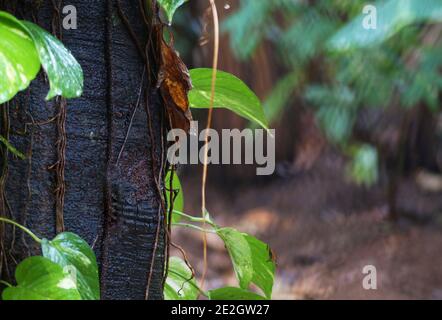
[(19, 62), (11, 148), (64, 72), (230, 93), (170, 6), (70, 251), (38, 278), (392, 16), (251, 258), (178, 204), (233, 293), (179, 283)]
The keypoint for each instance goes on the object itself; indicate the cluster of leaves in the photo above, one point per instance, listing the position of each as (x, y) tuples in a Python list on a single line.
[(252, 262), (251, 258), (24, 47), (358, 67), (66, 270)]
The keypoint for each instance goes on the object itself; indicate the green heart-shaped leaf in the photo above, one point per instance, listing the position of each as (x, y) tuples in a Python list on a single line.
[(179, 283), (19, 61), (230, 93), (251, 258), (69, 250), (64, 73), (39, 278)]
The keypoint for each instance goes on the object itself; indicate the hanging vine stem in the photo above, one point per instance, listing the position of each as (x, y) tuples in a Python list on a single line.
[(206, 138), (59, 166), (29, 169), (61, 143), (151, 51), (3, 178), (191, 226)]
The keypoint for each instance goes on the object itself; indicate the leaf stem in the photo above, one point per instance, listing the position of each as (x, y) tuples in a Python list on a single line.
[(206, 138), (191, 226), (194, 219), (5, 283), (29, 232)]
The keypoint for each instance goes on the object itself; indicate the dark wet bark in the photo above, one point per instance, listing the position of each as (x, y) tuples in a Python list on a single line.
[(111, 198)]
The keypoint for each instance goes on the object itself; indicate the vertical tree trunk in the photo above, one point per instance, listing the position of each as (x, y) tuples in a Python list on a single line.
[(105, 184)]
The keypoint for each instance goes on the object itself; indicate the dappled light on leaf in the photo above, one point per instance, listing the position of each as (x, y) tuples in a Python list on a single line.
[(64, 73), (38, 278), (69, 250), (170, 6), (19, 61), (180, 284), (231, 93)]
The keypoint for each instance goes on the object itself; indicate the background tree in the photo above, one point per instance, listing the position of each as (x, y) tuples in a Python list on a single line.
[(374, 94)]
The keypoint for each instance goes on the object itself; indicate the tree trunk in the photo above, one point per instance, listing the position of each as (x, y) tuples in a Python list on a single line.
[(94, 165)]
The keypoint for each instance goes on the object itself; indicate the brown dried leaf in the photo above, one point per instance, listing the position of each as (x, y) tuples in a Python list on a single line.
[(174, 83)]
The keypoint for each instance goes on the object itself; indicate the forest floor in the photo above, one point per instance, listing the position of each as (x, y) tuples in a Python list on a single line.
[(324, 230)]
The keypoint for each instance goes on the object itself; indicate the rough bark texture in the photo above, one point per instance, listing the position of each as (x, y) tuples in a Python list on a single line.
[(111, 198)]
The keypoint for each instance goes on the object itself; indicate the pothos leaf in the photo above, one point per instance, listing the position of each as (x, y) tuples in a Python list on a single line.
[(19, 61), (170, 6), (23, 47), (64, 72), (38, 278), (70, 251), (179, 283), (252, 259), (230, 93)]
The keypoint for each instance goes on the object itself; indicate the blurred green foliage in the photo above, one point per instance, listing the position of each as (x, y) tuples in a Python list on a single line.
[(399, 61)]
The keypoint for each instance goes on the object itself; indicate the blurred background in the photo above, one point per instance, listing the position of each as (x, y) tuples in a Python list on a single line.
[(358, 144)]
